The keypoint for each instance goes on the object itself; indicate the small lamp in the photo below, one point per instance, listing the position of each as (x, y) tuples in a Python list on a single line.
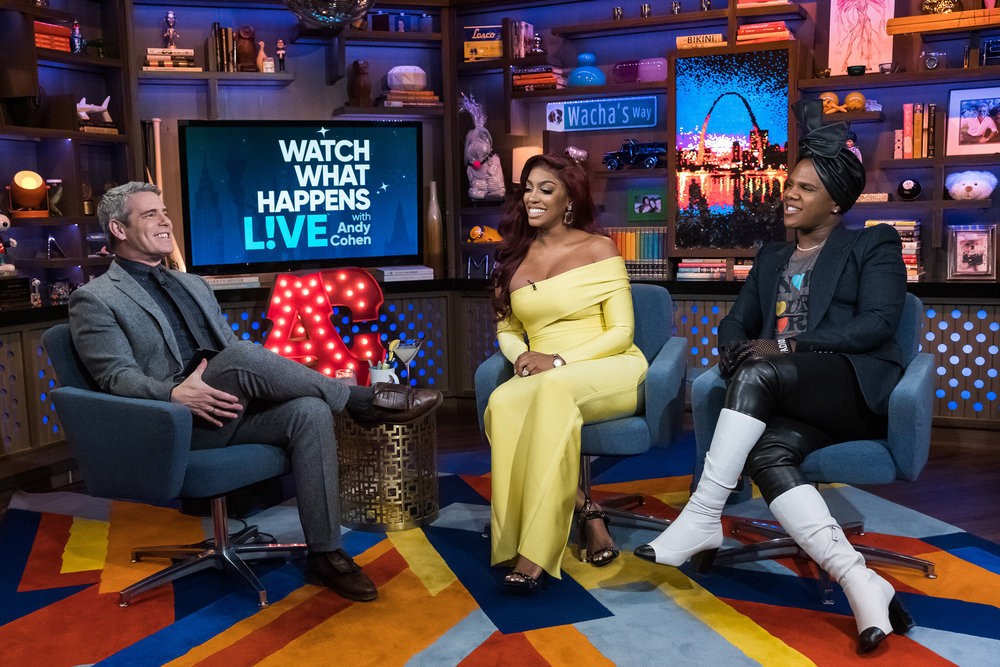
[(519, 156), (28, 195)]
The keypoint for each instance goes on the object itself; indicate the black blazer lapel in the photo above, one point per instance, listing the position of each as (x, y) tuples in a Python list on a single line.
[(128, 286), (826, 274)]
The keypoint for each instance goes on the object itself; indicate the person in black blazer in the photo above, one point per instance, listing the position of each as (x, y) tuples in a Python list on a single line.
[(809, 353)]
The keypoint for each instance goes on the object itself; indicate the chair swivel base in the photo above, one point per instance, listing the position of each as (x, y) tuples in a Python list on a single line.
[(782, 546), (224, 552), (617, 507)]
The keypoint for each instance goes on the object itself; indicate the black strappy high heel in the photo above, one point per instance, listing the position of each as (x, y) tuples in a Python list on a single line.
[(523, 583), (603, 555)]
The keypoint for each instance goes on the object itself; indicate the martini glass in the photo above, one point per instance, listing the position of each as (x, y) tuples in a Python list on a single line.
[(407, 352)]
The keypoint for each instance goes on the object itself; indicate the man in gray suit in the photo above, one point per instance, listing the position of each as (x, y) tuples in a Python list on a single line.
[(148, 332)]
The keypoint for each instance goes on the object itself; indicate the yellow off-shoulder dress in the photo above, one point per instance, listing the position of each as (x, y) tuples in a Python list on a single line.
[(533, 423)]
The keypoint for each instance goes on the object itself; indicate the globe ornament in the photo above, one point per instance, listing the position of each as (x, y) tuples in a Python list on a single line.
[(333, 15)]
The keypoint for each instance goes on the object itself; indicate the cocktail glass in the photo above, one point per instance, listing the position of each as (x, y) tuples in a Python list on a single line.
[(407, 352)]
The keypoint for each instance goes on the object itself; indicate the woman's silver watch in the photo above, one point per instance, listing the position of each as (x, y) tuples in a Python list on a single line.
[(557, 361)]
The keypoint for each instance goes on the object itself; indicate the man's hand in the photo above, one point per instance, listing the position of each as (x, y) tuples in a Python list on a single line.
[(733, 356), (212, 405), (529, 363)]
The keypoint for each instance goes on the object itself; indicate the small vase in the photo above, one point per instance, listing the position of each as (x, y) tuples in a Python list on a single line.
[(586, 74), (434, 234), (989, 4)]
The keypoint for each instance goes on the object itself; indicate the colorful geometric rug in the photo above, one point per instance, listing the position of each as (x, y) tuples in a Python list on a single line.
[(64, 556)]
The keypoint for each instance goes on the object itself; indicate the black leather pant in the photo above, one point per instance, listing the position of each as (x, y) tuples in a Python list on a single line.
[(808, 401)]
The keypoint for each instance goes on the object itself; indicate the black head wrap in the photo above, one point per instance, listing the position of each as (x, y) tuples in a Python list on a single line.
[(838, 168)]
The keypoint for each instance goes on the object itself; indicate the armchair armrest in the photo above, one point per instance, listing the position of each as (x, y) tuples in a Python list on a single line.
[(664, 391), (126, 447), (910, 411), (489, 375)]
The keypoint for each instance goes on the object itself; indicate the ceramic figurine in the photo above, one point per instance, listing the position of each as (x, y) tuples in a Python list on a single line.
[(359, 85), (585, 73), (261, 56), (246, 49), (170, 33), (279, 52)]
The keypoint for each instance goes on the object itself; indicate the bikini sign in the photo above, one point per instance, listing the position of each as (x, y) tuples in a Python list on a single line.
[(601, 114)]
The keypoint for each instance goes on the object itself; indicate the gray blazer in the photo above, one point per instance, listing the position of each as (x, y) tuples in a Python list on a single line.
[(124, 338), (855, 303)]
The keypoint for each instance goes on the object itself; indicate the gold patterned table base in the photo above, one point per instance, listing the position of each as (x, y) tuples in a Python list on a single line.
[(388, 473)]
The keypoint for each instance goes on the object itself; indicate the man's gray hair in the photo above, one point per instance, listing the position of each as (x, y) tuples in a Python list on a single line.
[(114, 205)]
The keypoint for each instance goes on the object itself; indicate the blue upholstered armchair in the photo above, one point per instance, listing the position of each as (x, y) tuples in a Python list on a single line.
[(138, 449), (901, 455), (663, 392)]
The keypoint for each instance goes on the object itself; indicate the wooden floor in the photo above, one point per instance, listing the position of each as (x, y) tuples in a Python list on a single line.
[(960, 484)]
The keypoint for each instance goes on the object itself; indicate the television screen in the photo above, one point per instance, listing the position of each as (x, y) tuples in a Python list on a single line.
[(264, 196)]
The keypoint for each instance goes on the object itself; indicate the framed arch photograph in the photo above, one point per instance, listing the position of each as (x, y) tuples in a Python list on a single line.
[(731, 136)]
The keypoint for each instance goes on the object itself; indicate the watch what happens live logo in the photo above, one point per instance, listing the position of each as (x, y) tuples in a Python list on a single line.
[(329, 205)]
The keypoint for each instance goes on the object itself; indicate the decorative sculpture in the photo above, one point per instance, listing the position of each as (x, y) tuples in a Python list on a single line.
[(359, 85), (170, 33), (481, 161)]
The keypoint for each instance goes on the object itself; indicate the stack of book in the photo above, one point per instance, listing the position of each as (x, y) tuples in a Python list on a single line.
[(538, 77), (393, 274), (98, 126), (741, 268), (705, 40), (918, 136), (51, 36), (909, 234), (412, 98), (713, 268), (771, 31), (174, 60)]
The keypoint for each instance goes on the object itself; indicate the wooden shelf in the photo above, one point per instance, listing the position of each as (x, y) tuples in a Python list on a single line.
[(586, 92), (223, 78), (62, 263), (957, 22), (389, 112), (634, 26), (17, 132), (41, 13), (78, 61), (854, 117), (902, 79), (919, 204), (943, 161), (55, 221), (629, 174), (791, 11)]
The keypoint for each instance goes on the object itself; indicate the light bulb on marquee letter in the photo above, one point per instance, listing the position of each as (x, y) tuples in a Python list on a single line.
[(308, 339)]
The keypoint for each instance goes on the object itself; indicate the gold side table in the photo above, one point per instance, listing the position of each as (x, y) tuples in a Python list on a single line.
[(388, 473)]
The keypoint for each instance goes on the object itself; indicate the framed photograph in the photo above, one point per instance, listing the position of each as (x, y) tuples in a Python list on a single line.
[(973, 122), (646, 205), (972, 252), (731, 128)]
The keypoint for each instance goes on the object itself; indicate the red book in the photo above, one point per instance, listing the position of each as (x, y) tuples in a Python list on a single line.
[(907, 130), (768, 26), (42, 28)]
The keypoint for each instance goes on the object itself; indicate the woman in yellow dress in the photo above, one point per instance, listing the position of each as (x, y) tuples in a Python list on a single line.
[(561, 282)]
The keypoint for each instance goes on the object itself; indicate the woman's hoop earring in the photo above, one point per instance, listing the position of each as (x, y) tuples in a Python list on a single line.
[(568, 216)]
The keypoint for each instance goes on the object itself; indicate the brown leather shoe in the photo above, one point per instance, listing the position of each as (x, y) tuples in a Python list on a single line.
[(337, 570), (399, 404)]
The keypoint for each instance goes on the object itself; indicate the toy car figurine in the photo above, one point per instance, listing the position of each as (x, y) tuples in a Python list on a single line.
[(649, 154)]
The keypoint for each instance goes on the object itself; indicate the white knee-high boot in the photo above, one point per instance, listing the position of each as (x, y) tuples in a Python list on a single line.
[(805, 516), (699, 527)]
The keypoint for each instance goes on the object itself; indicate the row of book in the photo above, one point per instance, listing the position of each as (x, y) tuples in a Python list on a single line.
[(169, 59), (411, 98), (714, 268), (640, 243), (747, 4), (918, 134), (769, 31), (394, 274), (909, 234), (52, 36), (538, 77), (702, 41), (220, 49)]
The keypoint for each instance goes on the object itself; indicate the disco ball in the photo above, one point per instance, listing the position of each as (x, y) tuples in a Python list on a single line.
[(332, 14)]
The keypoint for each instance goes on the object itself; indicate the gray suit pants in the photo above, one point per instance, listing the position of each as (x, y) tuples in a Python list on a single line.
[(287, 405)]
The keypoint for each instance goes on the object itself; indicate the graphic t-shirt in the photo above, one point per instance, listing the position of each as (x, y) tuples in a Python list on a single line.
[(792, 307)]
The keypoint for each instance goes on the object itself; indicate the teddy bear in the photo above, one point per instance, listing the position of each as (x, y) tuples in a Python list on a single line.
[(5, 264), (481, 161), (970, 184)]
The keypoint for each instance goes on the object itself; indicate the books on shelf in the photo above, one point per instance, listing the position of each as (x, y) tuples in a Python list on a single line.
[(411, 98), (763, 32), (704, 40), (52, 36), (392, 274), (919, 133), (98, 127), (744, 4), (644, 250), (171, 51), (909, 234), (172, 59), (161, 68), (691, 268), (522, 37)]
